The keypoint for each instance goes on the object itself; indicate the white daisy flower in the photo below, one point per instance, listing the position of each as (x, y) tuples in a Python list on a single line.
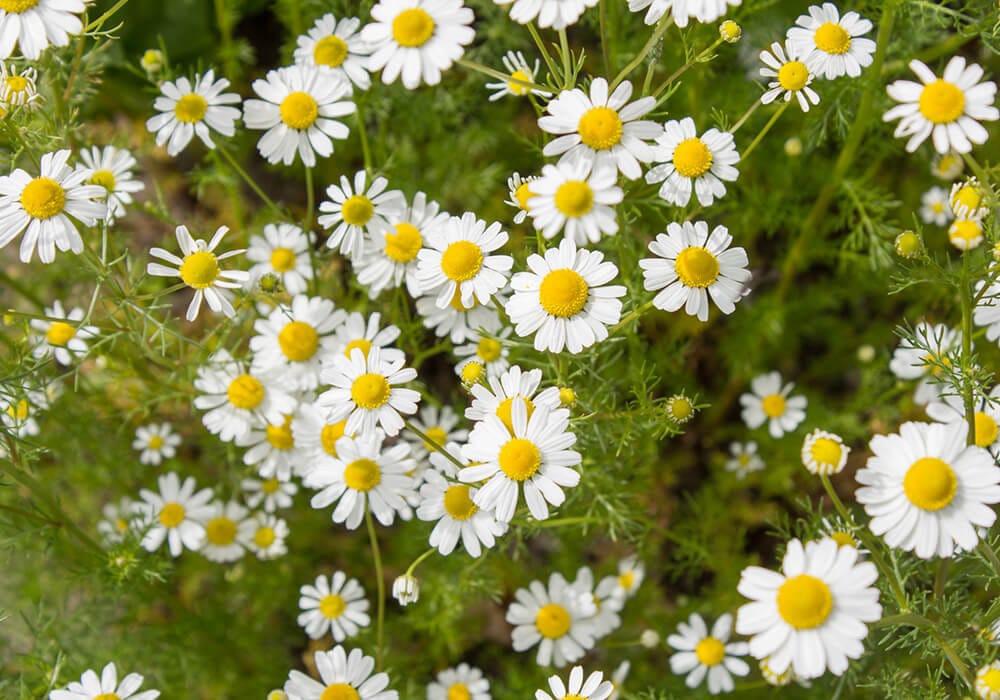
[(18, 89), (343, 676), (34, 25), (519, 69), (391, 257), (744, 458), (533, 453), (295, 340), (336, 46), (966, 200), (519, 194), (950, 408), (41, 207), (64, 340), (947, 166), (463, 682), (988, 681), (691, 163), (358, 332), (625, 584), (693, 264), (264, 534), (364, 476), (19, 411), (498, 398), (353, 212), (187, 110), (490, 353), (553, 617), (593, 688), (557, 14), (927, 359), (934, 206), (299, 107), (272, 449), (283, 251), (832, 44), (457, 516), (333, 604), (440, 425), (106, 687), (700, 654), (456, 259), (117, 520), (235, 399), (683, 10), (926, 490), (608, 602), (456, 320), (810, 616), (199, 269), (769, 401), (176, 514), (155, 442), (269, 494), (576, 197), (792, 76), (824, 453), (111, 168), (601, 127), (417, 39), (222, 526), (565, 299)]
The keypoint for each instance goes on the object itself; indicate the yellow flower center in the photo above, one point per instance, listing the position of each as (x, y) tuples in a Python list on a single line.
[(43, 198), (280, 436), (330, 51), (680, 408), (299, 110), (793, 76), (362, 344), (437, 434), (488, 350), (696, 267), (967, 230), (832, 38), (773, 405), (459, 691), (946, 164), (710, 651), (692, 157), (121, 524), (370, 390), (519, 459), (357, 210), (282, 259), (59, 333), (104, 178), (171, 515), (190, 108), (19, 411), (504, 410), (991, 679), (200, 269), (270, 486), (16, 83), (522, 194), (941, 102), (843, 539), (804, 602), (220, 531), (986, 429), (574, 198), (567, 397), (458, 504), (930, 483), (967, 196), (362, 475), (563, 293), (553, 621), (330, 434), (626, 580), (332, 606), (936, 363), (298, 341), (245, 392), (155, 442), (403, 245), (339, 691), (264, 537), (472, 372), (600, 128), (461, 261), (517, 88), (102, 696), (17, 6), (412, 27), (826, 452), (908, 244)]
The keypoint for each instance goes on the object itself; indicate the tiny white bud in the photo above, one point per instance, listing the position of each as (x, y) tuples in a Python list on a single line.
[(406, 589), (649, 639)]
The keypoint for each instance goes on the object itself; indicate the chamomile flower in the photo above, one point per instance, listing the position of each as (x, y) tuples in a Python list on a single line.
[(458, 321), (358, 332), (65, 339), (533, 456), (490, 353), (34, 25), (463, 681), (416, 40), (456, 260), (947, 166), (41, 207), (625, 584), (334, 604), (343, 675), (299, 107), (264, 534), (519, 69), (693, 265), (769, 401), (519, 194), (744, 458), (222, 526), (966, 200), (988, 681), (927, 491), (155, 442), (593, 688), (283, 251), (811, 616), (925, 357), (111, 168), (17, 89), (950, 408), (269, 494), (199, 269), (187, 110), (294, 340), (607, 602), (354, 212), (336, 46), (576, 197), (824, 453), (683, 10), (700, 654), (966, 234), (565, 299), (107, 686), (601, 127), (19, 411), (440, 425), (365, 392), (457, 516), (498, 398), (691, 163), (934, 206), (390, 257), (557, 14), (272, 449), (364, 475), (833, 45), (554, 617), (792, 76), (176, 514), (117, 520)]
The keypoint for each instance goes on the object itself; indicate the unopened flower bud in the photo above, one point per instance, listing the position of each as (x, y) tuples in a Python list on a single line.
[(909, 244), (793, 147), (152, 61), (406, 589), (730, 31), (649, 639)]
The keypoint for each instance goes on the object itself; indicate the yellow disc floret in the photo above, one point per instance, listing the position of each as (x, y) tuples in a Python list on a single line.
[(264, 537), (600, 128), (489, 350), (299, 110), (339, 691), (412, 27), (563, 293), (171, 515), (104, 178), (357, 210), (832, 38), (692, 157), (697, 267), (245, 392), (17, 6), (330, 51), (298, 341), (986, 429), (519, 459), (220, 531), (505, 410), (574, 198), (370, 391), (282, 259), (930, 483), (43, 198), (458, 504), (804, 602), (200, 269), (332, 606), (793, 76), (941, 102), (280, 436), (523, 195), (59, 333), (826, 452), (458, 691), (403, 245), (773, 405), (461, 261), (553, 621), (191, 108), (710, 651), (362, 475), (330, 434), (518, 88)]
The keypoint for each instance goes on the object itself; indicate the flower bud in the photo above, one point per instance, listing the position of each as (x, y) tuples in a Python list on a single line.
[(406, 589), (152, 61), (793, 147), (730, 31), (909, 244), (649, 639)]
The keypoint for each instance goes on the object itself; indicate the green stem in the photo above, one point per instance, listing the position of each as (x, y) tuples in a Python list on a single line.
[(434, 445), (486, 70), (310, 205), (366, 150), (968, 388), (631, 316), (680, 71), (31, 516), (104, 18), (661, 28), (542, 50), (566, 60), (247, 179), (605, 52), (379, 582), (419, 560), (763, 132)]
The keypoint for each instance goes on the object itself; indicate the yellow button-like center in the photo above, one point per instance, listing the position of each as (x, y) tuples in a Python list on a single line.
[(504, 410), (519, 459), (191, 108), (692, 157), (793, 75), (626, 580), (245, 392), (59, 333), (270, 486), (488, 350), (332, 606), (357, 210), (103, 696), (517, 88), (696, 267), (220, 531), (969, 231), (280, 436), (362, 344), (412, 27), (362, 475), (461, 261), (563, 293), (930, 483), (403, 245), (804, 602), (104, 178), (282, 259), (773, 405), (832, 38), (299, 110), (155, 442), (941, 102), (330, 51), (17, 7), (574, 198), (991, 679), (264, 537), (459, 691), (19, 411), (43, 198), (171, 515), (330, 434), (298, 341), (826, 452), (967, 196), (458, 504), (370, 390), (681, 408), (522, 194), (600, 128), (200, 269), (553, 621), (986, 429), (843, 539), (710, 651), (472, 372)]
